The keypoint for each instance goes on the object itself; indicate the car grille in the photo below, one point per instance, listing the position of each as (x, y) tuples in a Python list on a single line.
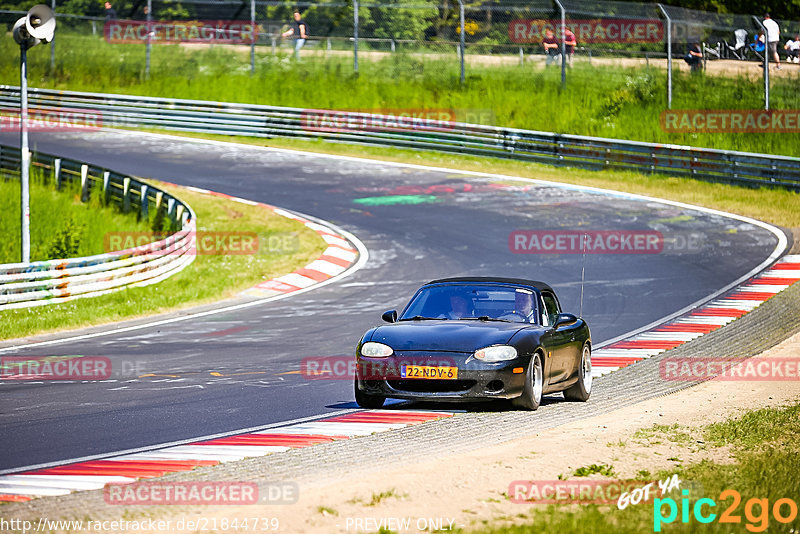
[(432, 386)]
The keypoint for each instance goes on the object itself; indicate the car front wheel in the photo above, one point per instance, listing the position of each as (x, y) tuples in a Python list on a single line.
[(531, 396), (581, 389), (365, 400)]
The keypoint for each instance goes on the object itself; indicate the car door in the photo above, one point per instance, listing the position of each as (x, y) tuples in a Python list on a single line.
[(559, 344)]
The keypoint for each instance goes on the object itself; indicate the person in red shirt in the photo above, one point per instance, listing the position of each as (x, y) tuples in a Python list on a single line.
[(551, 46), (570, 42)]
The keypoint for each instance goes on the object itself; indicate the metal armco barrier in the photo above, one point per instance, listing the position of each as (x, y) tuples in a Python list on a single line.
[(38, 283), (123, 111)]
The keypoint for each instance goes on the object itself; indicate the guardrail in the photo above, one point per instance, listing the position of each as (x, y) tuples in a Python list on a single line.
[(45, 282), (595, 153)]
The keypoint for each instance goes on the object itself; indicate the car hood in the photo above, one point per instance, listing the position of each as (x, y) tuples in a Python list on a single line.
[(449, 336)]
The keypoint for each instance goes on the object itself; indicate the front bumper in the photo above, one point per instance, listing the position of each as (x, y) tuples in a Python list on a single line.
[(476, 379)]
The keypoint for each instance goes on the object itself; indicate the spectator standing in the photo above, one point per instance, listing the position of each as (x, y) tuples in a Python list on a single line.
[(299, 31), (773, 36), (570, 43), (792, 48), (111, 13), (694, 57), (550, 44)]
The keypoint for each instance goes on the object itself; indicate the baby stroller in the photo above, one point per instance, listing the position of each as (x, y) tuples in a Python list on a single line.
[(739, 49)]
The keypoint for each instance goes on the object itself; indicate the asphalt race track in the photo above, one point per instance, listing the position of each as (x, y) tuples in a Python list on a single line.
[(417, 224)]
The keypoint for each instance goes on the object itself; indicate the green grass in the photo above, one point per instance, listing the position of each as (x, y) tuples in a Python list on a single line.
[(753, 428), (598, 100), (208, 278), (61, 225), (767, 460), (602, 469), (674, 433)]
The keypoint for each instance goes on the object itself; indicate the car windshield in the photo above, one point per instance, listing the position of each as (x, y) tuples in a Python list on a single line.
[(473, 302)]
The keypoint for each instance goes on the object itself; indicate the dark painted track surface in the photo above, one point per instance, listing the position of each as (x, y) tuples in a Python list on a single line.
[(462, 228)]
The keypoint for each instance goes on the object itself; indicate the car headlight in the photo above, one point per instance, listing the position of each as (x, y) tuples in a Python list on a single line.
[(371, 349), (497, 353)]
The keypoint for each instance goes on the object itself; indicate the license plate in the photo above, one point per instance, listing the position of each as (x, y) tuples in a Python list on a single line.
[(425, 371)]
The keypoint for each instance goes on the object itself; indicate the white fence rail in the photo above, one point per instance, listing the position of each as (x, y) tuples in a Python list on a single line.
[(38, 283), (563, 150)]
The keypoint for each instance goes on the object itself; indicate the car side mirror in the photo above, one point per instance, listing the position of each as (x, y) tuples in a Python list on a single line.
[(390, 316), (564, 319)]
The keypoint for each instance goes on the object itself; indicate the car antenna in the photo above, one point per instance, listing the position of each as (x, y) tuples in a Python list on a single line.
[(583, 272)]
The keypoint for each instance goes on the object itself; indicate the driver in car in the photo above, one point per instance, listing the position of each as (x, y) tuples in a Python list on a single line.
[(523, 308), (458, 308)]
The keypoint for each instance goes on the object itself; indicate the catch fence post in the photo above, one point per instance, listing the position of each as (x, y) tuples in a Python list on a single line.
[(669, 55)]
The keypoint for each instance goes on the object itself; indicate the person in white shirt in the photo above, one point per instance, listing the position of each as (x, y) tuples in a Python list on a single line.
[(792, 48), (773, 36)]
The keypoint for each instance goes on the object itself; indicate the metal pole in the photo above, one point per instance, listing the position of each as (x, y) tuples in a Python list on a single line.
[(25, 156), (766, 63), (149, 30), (253, 36), (563, 45), (53, 42), (461, 43), (355, 36), (669, 56)]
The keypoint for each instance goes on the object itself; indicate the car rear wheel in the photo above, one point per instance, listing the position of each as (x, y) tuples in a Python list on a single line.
[(581, 389), (531, 396), (365, 400)]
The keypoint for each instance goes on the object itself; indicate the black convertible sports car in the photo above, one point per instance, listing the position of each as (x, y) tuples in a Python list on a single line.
[(476, 338)]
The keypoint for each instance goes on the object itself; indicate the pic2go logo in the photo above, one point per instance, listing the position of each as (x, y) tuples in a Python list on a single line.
[(756, 511)]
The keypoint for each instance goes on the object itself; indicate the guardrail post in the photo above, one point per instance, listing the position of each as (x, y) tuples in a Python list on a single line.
[(106, 178), (669, 55), (143, 201), (84, 183), (521, 57), (170, 207), (126, 199), (159, 198), (57, 173), (179, 213)]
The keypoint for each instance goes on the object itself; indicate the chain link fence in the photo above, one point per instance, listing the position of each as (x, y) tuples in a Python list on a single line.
[(450, 31)]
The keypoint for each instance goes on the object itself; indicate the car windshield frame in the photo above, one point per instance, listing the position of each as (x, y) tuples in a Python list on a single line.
[(483, 302)]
